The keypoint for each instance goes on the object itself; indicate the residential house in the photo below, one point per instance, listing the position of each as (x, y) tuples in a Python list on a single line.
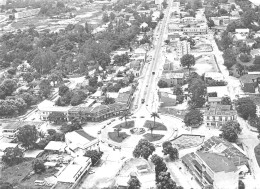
[(121, 51), (79, 142), (46, 107), (250, 42), (218, 115), (143, 25), (173, 79), (173, 27), (255, 52), (239, 37), (219, 91), (212, 170), (55, 146), (250, 81)]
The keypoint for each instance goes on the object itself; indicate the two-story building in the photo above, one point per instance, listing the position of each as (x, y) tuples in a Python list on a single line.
[(250, 82), (212, 170), (218, 115), (215, 94), (173, 79)]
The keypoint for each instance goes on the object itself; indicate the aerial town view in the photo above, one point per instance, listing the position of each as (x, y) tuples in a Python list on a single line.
[(129, 94)]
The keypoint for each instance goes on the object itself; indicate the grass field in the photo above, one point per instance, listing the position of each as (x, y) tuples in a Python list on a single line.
[(158, 126), (130, 124), (114, 136), (153, 137)]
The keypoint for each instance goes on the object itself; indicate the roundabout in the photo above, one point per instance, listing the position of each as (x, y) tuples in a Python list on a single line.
[(122, 134)]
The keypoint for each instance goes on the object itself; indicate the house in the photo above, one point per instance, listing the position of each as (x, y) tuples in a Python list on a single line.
[(242, 31), (143, 25), (217, 76), (255, 52), (5, 145), (200, 30), (250, 81), (173, 27), (79, 142), (124, 98), (47, 107), (121, 51), (74, 171), (173, 79), (218, 115), (55, 146), (216, 93), (167, 99), (212, 170)]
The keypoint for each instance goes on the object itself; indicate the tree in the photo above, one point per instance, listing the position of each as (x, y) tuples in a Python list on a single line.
[(105, 17), (6, 185), (125, 116), (121, 60), (12, 156), (28, 98), (241, 185), (226, 40), (164, 4), (143, 149), (45, 88), (169, 150), (51, 131), (9, 86), (165, 181), (230, 131), (109, 100), (193, 118), (112, 16), (188, 60), (134, 183), (197, 92), (233, 7), (248, 18), (160, 166), (63, 89), (57, 117), (94, 155), (38, 166), (162, 84), (154, 115), (245, 107), (222, 11), (211, 23), (225, 100), (27, 135), (257, 60)]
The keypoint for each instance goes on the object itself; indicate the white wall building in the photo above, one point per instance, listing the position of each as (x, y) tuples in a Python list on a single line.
[(183, 47)]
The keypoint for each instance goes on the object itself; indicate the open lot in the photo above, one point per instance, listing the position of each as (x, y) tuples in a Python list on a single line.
[(205, 63), (158, 126)]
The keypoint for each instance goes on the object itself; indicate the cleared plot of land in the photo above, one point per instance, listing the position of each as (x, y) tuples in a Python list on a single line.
[(153, 137), (188, 141), (205, 63), (130, 124), (158, 126), (118, 138)]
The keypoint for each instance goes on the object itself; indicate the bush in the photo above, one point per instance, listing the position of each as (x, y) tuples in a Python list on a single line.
[(244, 57)]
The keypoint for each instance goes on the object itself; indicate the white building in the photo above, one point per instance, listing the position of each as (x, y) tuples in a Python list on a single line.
[(46, 107), (217, 76), (195, 30), (212, 170), (79, 142), (221, 91), (26, 13), (242, 31)]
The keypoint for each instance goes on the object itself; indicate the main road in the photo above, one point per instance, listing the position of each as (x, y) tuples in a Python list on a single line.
[(148, 85)]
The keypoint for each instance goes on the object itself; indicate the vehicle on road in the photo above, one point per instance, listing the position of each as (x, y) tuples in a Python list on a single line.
[(142, 100), (113, 120), (104, 127), (133, 116), (109, 123), (99, 132), (91, 172), (142, 117), (153, 73), (110, 145)]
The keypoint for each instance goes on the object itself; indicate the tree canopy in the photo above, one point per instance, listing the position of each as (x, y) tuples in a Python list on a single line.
[(245, 107), (143, 149), (193, 118), (230, 131)]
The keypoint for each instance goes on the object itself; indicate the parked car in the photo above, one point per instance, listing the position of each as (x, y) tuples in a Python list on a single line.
[(99, 132), (91, 172), (104, 127)]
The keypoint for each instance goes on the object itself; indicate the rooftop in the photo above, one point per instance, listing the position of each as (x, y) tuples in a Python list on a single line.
[(224, 110), (56, 146), (5, 145), (214, 75), (231, 151), (173, 75), (85, 135), (256, 99), (48, 105), (248, 78), (216, 162), (220, 90)]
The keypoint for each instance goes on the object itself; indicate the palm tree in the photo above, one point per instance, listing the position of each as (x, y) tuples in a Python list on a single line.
[(118, 130), (41, 134), (125, 116), (151, 128), (154, 115)]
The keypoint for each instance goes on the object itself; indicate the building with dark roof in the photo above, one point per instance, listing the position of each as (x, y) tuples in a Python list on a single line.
[(209, 169), (218, 115), (250, 81)]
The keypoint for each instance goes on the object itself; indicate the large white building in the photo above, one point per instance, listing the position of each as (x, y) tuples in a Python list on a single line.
[(26, 13)]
